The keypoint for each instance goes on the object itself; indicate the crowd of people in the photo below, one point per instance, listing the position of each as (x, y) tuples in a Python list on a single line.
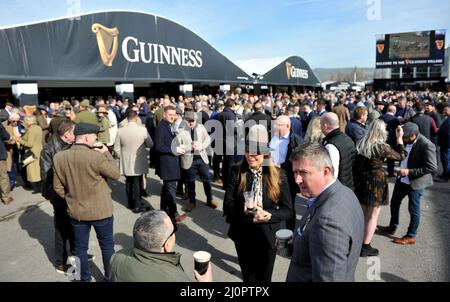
[(329, 147)]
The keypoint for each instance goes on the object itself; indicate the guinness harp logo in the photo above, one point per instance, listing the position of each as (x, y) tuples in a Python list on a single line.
[(380, 48), (439, 44), (108, 42), (288, 70)]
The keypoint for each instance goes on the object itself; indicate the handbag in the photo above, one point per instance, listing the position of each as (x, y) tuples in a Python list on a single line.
[(29, 158)]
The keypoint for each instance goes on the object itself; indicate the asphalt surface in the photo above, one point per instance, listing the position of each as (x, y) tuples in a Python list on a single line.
[(26, 248)]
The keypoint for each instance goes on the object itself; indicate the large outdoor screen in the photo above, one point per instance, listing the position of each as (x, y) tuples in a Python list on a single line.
[(411, 49)]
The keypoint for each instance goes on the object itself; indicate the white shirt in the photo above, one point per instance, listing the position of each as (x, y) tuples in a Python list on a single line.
[(404, 163), (335, 156), (279, 146)]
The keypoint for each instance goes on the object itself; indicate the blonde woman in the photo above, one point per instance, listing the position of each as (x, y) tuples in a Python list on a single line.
[(370, 179), (32, 141), (314, 132), (254, 234)]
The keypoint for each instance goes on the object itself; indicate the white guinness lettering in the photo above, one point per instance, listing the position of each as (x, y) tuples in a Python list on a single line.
[(135, 51), (299, 73)]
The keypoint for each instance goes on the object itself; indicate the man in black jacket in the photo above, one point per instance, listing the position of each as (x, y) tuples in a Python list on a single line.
[(228, 120), (62, 140), (260, 118), (4, 180), (340, 147), (444, 144)]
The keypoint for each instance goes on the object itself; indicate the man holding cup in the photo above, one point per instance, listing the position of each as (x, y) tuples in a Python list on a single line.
[(195, 139), (152, 259), (328, 241)]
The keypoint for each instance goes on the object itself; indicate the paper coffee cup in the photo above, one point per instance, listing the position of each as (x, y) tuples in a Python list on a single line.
[(201, 261), (283, 237)]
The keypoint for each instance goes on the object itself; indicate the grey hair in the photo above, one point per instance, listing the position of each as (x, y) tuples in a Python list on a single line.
[(374, 141), (331, 119), (315, 153), (30, 120), (150, 231)]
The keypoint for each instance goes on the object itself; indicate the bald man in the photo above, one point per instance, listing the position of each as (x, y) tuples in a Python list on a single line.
[(340, 147), (282, 145)]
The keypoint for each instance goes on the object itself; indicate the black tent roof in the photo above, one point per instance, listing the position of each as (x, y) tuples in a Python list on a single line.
[(294, 71), (112, 46)]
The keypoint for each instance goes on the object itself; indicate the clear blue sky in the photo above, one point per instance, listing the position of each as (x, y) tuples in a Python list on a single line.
[(326, 33)]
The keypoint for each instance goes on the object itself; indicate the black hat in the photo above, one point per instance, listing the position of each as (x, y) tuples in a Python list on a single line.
[(257, 140), (85, 128), (377, 102), (410, 129), (43, 107)]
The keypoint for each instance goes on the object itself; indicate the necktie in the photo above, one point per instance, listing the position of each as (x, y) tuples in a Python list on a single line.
[(15, 133)]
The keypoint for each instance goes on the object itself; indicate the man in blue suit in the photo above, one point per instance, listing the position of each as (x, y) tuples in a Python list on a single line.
[(169, 163)]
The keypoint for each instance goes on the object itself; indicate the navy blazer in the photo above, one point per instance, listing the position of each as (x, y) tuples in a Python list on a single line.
[(169, 163)]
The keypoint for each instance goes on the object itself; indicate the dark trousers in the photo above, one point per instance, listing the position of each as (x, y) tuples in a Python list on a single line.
[(63, 234), (104, 230), (290, 223), (256, 259), (402, 190), (168, 195), (201, 168), (445, 159), (217, 159), (390, 166), (133, 187), (23, 174), (182, 183)]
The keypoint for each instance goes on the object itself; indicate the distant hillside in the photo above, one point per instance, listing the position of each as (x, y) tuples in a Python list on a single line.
[(344, 74)]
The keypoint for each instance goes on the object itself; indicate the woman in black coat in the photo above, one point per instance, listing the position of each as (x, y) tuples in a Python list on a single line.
[(254, 235)]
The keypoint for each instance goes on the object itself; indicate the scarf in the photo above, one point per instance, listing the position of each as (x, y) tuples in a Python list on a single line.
[(257, 186)]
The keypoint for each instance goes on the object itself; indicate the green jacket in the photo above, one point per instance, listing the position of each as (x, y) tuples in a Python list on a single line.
[(140, 266)]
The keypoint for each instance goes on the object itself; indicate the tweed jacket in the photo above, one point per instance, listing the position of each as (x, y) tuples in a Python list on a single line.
[(80, 175)]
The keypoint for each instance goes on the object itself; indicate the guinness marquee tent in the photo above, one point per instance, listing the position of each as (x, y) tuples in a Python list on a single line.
[(114, 45), (294, 71), (118, 46)]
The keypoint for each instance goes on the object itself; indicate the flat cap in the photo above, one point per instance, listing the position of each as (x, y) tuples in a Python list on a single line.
[(85, 128), (190, 116), (410, 129), (85, 103)]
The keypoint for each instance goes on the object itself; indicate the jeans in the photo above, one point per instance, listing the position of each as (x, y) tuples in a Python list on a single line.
[(132, 184), (445, 159), (168, 195), (402, 190), (201, 168), (104, 230), (63, 234)]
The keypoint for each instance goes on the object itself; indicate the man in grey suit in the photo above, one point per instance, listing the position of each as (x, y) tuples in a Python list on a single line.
[(328, 241), (415, 175)]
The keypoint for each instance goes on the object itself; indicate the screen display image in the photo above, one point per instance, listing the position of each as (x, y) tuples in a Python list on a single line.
[(420, 48), (409, 45)]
